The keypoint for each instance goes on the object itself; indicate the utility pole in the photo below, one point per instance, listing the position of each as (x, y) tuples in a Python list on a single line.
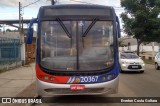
[(22, 31), (21, 35), (153, 54), (53, 2), (20, 17)]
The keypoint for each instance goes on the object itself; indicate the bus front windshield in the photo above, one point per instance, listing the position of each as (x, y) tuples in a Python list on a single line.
[(77, 45)]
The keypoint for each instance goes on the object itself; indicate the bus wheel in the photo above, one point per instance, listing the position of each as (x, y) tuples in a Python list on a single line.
[(156, 66), (38, 96)]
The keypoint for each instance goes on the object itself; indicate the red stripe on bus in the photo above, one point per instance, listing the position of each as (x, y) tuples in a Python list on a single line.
[(56, 79)]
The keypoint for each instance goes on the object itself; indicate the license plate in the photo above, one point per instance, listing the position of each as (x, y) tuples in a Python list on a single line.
[(77, 87), (134, 66)]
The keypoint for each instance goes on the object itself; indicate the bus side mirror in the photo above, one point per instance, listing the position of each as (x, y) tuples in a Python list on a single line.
[(30, 31), (118, 27)]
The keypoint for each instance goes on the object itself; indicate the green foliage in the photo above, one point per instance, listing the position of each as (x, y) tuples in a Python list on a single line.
[(121, 43), (141, 19)]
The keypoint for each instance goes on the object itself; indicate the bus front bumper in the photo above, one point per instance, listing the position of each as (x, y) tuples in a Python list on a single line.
[(46, 89)]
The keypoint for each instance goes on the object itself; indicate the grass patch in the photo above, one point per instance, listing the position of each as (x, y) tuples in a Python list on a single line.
[(147, 61)]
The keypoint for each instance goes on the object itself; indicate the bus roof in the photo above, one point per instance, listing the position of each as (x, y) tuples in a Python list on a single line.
[(77, 6), (80, 10)]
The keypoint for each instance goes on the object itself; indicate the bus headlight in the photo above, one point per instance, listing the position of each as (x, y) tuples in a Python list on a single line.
[(108, 77), (51, 78), (103, 78), (46, 77)]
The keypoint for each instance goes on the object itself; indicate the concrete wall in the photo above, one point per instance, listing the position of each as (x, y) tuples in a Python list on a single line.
[(142, 48), (146, 52), (10, 65)]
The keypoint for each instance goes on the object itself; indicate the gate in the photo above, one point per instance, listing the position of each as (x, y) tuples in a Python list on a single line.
[(9, 52)]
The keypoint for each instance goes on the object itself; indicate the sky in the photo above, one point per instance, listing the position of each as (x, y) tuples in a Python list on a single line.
[(9, 8)]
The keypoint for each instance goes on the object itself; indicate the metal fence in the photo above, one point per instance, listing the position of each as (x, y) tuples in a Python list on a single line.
[(9, 50)]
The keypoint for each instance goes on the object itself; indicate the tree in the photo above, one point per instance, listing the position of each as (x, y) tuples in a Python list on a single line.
[(141, 20), (121, 43)]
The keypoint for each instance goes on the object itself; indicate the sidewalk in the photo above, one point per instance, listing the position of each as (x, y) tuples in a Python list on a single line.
[(14, 81)]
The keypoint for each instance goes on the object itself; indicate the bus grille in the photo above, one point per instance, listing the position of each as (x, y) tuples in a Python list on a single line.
[(68, 91)]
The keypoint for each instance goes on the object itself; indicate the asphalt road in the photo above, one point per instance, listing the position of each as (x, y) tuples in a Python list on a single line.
[(131, 84)]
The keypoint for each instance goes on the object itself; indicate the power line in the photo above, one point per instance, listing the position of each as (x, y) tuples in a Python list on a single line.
[(31, 3), (117, 8), (82, 2)]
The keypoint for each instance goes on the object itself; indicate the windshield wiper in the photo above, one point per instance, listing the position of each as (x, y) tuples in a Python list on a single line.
[(64, 27), (89, 27)]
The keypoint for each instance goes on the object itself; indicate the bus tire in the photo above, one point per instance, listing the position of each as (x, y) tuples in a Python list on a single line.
[(156, 66)]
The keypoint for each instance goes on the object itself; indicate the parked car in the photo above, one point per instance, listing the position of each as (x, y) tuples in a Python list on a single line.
[(131, 62), (157, 61)]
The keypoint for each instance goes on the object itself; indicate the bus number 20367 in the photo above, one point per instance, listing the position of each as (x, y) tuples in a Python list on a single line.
[(89, 79)]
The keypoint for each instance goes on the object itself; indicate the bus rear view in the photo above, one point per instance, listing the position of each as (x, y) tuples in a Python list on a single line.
[(77, 50)]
